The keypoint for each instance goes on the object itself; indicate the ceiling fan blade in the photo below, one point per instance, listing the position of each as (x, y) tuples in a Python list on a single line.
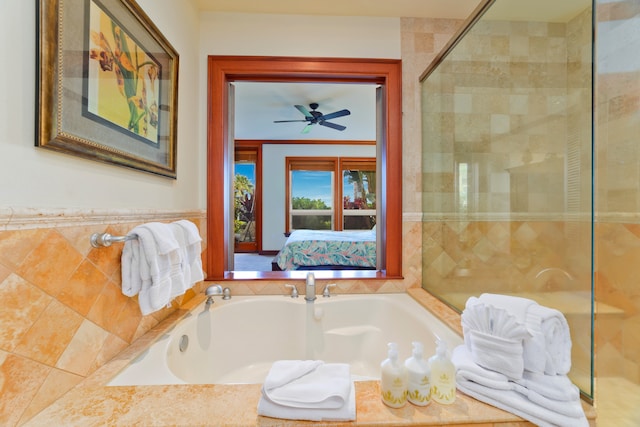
[(307, 128), (332, 125), (304, 111), (336, 114), (287, 121)]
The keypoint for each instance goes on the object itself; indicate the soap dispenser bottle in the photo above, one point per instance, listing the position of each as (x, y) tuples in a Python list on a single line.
[(443, 375), (418, 373), (393, 379)]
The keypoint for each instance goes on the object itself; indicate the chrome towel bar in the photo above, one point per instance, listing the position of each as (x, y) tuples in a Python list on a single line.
[(103, 240)]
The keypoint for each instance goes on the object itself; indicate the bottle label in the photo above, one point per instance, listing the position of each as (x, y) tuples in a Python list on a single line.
[(396, 395), (443, 389)]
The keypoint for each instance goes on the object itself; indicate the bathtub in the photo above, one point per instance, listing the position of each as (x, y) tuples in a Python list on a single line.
[(237, 340)]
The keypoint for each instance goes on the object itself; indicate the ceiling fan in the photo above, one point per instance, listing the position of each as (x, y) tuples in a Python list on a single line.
[(316, 117)]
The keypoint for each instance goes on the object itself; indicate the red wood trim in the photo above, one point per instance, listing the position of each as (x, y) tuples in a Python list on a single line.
[(223, 69), (306, 141)]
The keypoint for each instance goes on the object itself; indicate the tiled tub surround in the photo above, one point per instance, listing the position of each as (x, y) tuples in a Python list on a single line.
[(63, 314), (92, 402)]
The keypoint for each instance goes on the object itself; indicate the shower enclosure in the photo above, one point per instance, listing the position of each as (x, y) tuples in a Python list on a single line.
[(507, 164)]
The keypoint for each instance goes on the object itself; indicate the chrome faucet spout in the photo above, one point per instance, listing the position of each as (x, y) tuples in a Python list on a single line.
[(310, 289), (211, 291)]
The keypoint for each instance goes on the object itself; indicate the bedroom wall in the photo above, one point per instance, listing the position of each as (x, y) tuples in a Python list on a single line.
[(273, 173)]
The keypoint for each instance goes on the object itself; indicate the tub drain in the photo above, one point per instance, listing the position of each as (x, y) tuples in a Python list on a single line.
[(184, 343)]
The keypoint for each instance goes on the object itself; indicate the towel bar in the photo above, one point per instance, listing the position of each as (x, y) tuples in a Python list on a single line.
[(103, 240)]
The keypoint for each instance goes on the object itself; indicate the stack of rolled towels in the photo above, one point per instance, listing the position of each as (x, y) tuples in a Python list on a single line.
[(516, 356), (309, 390)]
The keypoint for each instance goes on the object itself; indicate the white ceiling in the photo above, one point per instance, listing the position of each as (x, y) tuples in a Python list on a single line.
[(259, 104)]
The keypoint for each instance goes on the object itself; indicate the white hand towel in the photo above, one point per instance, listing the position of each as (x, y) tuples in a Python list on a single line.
[(496, 389), (193, 251), (308, 384), (149, 264), (347, 412), (548, 350)]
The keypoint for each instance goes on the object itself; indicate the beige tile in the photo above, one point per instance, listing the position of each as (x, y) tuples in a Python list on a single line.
[(83, 288), (50, 334), (80, 354), (21, 379), (50, 264), (56, 384), (22, 304)]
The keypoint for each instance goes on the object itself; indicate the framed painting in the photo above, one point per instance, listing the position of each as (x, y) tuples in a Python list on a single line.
[(106, 84)]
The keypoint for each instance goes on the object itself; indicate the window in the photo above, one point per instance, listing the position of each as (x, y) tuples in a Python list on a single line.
[(358, 193), (311, 195), (316, 200)]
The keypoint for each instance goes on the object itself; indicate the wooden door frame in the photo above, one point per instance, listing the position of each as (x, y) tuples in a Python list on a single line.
[(223, 70), (256, 246)]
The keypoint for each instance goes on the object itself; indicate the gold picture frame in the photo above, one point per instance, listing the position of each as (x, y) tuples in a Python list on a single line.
[(106, 85)]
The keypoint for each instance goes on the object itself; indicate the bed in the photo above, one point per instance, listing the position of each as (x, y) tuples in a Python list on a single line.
[(327, 250)]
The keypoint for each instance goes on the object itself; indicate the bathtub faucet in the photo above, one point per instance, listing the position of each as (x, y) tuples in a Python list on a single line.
[(310, 293), (211, 291)]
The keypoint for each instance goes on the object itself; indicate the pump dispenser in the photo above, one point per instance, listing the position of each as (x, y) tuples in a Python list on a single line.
[(393, 379), (418, 373), (443, 375)]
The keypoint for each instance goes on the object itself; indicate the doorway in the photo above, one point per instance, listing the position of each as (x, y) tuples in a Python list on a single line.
[(247, 200), (224, 70)]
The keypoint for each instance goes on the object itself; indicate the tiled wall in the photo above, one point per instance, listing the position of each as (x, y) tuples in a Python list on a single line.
[(62, 313)]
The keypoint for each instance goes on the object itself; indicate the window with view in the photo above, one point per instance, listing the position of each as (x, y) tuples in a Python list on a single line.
[(317, 200)]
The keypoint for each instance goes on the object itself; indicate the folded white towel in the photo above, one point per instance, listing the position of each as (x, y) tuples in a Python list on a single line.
[(347, 412), (189, 264), (192, 249), (308, 384), (152, 266), (522, 397), (494, 337), (548, 350)]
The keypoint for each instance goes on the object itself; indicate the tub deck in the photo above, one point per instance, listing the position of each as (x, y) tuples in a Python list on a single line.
[(93, 402)]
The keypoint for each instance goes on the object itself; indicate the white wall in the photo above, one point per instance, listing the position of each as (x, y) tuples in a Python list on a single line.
[(273, 173), (38, 178)]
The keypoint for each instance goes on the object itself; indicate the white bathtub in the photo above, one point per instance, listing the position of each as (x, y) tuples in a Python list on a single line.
[(236, 341)]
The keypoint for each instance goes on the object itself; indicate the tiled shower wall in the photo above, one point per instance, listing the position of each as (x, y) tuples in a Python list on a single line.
[(63, 314)]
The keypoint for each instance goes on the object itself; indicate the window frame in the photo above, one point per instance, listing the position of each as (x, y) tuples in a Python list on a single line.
[(337, 165), (327, 164)]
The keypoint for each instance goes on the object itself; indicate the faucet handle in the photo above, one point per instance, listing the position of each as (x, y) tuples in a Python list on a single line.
[(294, 290), (325, 292)]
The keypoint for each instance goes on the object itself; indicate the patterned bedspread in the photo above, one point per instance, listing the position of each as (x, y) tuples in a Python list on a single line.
[(307, 248)]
